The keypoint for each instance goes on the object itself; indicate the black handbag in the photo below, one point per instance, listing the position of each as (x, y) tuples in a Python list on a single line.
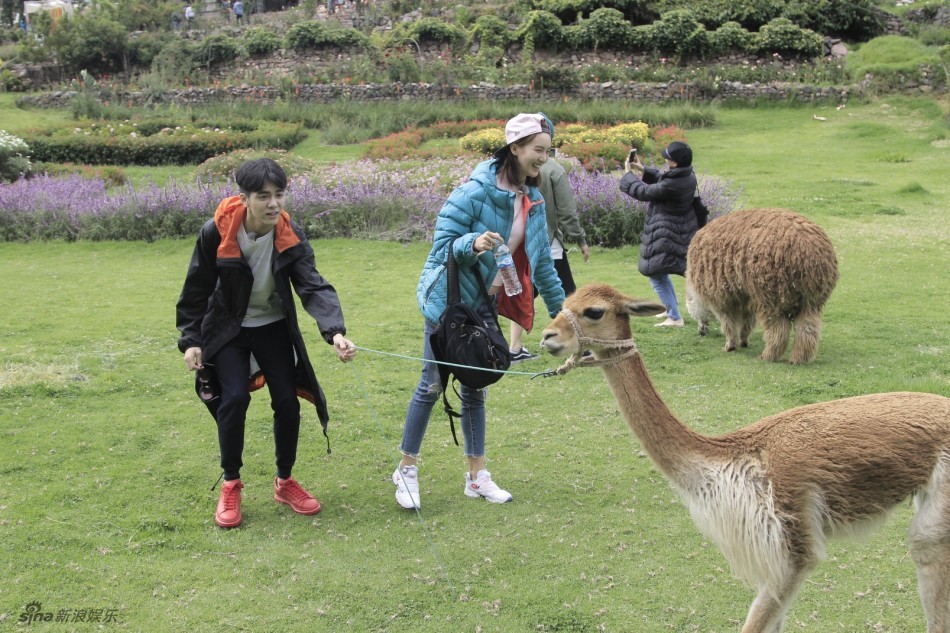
[(475, 348), (701, 211)]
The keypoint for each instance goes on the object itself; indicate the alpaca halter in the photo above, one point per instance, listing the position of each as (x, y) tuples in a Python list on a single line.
[(576, 360)]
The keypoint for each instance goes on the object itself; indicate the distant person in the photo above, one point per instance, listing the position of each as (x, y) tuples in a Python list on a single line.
[(189, 16), (176, 22), (237, 303), (670, 222), (562, 220), (226, 9), (238, 8), (500, 203)]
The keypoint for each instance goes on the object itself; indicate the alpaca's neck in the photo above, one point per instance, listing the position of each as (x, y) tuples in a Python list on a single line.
[(672, 446)]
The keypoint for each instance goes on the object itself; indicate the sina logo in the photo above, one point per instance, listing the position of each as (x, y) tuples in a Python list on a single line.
[(34, 613)]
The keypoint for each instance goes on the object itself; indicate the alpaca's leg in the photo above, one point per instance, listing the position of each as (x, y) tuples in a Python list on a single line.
[(933, 580), (930, 549), (748, 324), (703, 327), (768, 610), (775, 331), (730, 329), (807, 333)]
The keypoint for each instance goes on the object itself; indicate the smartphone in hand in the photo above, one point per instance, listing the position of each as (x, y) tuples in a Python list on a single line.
[(633, 155)]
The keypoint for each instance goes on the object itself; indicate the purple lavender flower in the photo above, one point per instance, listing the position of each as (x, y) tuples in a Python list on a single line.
[(382, 199)]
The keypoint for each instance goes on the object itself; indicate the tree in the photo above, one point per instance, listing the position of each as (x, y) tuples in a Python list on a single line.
[(91, 42)]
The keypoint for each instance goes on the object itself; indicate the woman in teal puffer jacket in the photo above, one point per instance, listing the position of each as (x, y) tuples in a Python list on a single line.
[(499, 203)]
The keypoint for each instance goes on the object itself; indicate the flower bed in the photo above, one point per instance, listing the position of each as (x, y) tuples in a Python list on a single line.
[(365, 199)]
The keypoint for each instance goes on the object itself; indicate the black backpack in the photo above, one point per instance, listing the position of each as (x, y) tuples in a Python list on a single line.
[(476, 348)]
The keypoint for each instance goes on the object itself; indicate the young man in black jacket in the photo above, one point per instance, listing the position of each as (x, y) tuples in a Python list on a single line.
[(237, 303)]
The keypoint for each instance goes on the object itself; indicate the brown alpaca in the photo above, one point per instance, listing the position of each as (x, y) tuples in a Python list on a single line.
[(769, 265), (770, 494)]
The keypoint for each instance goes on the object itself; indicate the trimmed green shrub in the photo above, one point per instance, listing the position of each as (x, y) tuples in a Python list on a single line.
[(751, 14), (781, 35), (304, 35), (641, 37), (680, 35), (606, 29), (571, 11), (435, 30), (114, 143), (541, 29), (259, 41), (223, 166), (217, 49), (730, 37), (347, 38), (490, 30), (314, 34)]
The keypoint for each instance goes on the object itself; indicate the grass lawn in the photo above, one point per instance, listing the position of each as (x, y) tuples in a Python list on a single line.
[(18, 120), (105, 499)]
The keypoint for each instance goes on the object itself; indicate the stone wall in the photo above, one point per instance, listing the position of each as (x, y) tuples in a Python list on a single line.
[(289, 63), (328, 93)]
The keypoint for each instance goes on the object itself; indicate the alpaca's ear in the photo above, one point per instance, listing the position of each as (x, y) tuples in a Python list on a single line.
[(642, 307)]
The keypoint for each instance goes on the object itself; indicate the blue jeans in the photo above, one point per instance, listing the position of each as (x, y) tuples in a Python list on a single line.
[(429, 392), (663, 286)]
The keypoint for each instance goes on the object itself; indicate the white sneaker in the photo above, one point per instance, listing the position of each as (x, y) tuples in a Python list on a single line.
[(406, 479), (483, 486)]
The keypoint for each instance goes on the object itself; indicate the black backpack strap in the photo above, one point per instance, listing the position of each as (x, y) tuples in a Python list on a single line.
[(452, 413), (453, 296), (452, 278)]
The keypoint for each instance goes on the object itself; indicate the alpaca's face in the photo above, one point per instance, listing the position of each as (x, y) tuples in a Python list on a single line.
[(601, 312)]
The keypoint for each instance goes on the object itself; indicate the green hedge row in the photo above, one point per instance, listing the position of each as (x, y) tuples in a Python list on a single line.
[(677, 34), (189, 148)]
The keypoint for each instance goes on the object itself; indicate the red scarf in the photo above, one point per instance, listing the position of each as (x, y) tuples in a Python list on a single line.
[(520, 307)]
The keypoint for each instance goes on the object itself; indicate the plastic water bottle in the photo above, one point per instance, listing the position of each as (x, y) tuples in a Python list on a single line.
[(509, 274)]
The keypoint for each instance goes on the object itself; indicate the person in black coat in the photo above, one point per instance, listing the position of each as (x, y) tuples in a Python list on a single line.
[(670, 223)]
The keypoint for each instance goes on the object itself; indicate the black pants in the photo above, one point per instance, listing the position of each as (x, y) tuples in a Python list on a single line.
[(564, 274), (274, 352)]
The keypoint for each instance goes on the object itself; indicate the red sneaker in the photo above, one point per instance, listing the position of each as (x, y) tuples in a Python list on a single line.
[(228, 512), (299, 500)]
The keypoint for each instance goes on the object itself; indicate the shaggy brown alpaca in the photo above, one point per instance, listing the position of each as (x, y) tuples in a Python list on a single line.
[(770, 494), (769, 265)]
